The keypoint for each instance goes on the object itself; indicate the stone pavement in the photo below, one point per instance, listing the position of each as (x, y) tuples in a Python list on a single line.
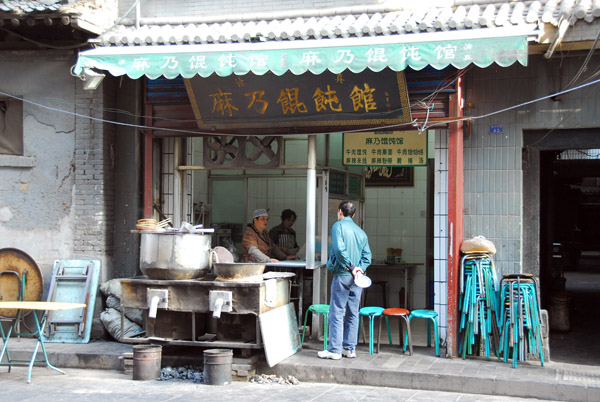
[(92, 385), (390, 368)]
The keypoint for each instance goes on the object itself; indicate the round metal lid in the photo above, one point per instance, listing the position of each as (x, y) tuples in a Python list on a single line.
[(16, 265)]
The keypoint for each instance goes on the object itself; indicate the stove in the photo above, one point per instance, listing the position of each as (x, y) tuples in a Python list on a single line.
[(206, 312)]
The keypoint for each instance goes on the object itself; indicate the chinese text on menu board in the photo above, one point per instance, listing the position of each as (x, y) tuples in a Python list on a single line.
[(385, 148)]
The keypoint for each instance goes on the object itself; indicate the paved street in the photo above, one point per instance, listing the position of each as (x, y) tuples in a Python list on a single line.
[(108, 385)]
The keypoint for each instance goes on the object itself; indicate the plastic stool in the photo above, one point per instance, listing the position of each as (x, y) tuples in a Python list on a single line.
[(318, 309), (371, 312), (428, 315), (383, 285), (402, 315)]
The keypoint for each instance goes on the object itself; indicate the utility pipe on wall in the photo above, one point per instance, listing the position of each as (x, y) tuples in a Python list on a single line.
[(311, 201), (558, 37), (138, 12)]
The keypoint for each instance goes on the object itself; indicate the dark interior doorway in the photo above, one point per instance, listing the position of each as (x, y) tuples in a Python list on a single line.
[(570, 252)]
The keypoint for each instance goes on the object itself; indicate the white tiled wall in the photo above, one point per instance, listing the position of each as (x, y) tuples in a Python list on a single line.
[(394, 217), (277, 194), (440, 230)]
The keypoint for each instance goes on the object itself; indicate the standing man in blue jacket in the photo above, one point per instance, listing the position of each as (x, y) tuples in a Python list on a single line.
[(350, 253)]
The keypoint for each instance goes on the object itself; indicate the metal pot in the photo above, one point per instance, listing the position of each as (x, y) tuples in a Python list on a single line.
[(174, 255), (238, 271)]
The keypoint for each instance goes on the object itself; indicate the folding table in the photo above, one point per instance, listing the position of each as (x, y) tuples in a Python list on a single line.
[(40, 324)]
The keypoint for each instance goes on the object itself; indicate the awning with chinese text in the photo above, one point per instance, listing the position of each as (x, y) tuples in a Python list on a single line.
[(479, 47)]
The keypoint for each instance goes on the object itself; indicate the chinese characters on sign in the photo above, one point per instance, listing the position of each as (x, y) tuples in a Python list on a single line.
[(377, 176), (202, 60), (385, 148), (326, 99)]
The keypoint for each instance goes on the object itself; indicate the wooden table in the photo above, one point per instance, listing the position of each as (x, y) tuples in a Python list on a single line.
[(34, 306), (404, 267)]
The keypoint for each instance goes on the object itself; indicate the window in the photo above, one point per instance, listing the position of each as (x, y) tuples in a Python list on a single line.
[(11, 126)]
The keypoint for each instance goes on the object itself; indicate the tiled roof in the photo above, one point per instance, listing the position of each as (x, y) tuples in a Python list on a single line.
[(31, 6), (349, 22), (92, 16)]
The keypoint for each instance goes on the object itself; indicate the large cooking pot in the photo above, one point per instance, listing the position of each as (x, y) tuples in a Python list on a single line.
[(174, 255), (238, 271)]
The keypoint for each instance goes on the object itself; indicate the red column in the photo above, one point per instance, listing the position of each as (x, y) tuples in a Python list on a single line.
[(148, 165), (455, 216)]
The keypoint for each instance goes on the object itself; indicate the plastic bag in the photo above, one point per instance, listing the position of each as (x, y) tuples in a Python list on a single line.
[(134, 314), (111, 288), (477, 244), (111, 319), (113, 302)]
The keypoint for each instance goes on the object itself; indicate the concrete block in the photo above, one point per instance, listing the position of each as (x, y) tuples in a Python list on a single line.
[(242, 375)]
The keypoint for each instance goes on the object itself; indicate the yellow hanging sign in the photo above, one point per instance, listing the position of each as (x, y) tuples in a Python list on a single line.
[(385, 148)]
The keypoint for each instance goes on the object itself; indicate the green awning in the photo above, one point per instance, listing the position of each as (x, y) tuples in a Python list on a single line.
[(480, 47)]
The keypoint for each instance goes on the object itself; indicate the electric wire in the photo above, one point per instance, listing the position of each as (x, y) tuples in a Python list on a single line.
[(446, 121), (585, 62), (414, 122), (182, 131)]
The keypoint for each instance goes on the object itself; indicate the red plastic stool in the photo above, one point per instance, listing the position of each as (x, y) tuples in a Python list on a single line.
[(402, 315)]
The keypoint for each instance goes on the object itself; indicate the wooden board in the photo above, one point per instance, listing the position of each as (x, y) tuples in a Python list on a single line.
[(280, 334)]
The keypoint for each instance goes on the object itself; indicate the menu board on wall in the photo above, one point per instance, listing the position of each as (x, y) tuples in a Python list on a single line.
[(385, 148)]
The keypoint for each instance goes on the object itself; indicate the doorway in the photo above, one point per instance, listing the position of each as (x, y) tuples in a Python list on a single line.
[(570, 252)]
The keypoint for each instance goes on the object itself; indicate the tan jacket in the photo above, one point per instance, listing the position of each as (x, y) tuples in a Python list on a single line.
[(263, 243)]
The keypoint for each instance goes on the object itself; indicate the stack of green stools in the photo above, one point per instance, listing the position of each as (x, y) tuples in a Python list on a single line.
[(478, 305), (520, 321)]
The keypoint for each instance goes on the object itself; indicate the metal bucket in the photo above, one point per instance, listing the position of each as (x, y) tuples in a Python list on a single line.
[(175, 255), (217, 366), (146, 362)]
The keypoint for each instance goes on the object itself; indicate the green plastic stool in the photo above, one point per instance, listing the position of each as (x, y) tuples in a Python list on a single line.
[(318, 309), (428, 315)]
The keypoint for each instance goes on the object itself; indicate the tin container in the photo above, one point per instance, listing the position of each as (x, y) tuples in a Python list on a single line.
[(174, 256)]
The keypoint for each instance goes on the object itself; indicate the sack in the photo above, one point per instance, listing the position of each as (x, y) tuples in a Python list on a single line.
[(111, 319), (113, 302), (111, 288), (135, 315), (477, 244)]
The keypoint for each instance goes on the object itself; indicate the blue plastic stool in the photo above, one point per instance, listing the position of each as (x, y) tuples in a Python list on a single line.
[(371, 312), (318, 309), (428, 315)]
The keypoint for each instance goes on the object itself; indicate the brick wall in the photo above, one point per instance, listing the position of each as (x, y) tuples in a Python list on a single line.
[(94, 175)]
